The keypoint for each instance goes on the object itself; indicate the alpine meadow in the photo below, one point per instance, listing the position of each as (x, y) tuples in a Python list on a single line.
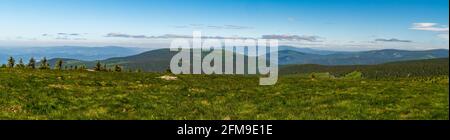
[(305, 92), (219, 63)]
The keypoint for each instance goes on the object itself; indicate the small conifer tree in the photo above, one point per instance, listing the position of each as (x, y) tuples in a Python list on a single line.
[(11, 62), (98, 66), (83, 67), (44, 64), (32, 63), (59, 65), (21, 64)]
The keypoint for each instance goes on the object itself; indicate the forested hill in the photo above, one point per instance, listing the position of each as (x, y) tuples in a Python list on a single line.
[(415, 68), (158, 60)]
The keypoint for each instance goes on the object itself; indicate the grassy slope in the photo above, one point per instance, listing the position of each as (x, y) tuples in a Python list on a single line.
[(26, 94), (414, 68)]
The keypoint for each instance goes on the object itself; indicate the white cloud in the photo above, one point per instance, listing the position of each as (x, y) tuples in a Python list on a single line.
[(168, 36), (294, 38), (432, 27), (392, 40), (203, 26), (429, 27)]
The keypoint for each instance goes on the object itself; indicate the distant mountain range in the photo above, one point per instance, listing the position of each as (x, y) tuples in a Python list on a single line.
[(72, 52), (297, 49), (358, 58), (159, 60), (308, 50)]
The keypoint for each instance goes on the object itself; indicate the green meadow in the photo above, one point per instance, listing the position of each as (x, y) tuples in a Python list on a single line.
[(80, 95)]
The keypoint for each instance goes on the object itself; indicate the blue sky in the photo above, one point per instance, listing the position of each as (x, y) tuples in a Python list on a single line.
[(330, 24)]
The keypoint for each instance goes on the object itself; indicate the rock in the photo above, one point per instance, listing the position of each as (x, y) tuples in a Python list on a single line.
[(168, 78)]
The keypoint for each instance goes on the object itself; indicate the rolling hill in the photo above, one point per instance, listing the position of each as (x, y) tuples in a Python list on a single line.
[(308, 50), (359, 58), (159, 60), (412, 68), (151, 61)]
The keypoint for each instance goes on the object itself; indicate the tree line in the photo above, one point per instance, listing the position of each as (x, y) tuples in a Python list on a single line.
[(415, 68), (59, 65)]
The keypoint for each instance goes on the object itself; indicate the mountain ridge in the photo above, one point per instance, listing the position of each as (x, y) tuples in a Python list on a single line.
[(72, 52), (159, 60)]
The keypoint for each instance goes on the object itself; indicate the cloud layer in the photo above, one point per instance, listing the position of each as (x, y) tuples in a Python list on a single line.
[(392, 40), (66, 36), (202, 26), (171, 36), (429, 27), (168, 36), (442, 31), (294, 38)]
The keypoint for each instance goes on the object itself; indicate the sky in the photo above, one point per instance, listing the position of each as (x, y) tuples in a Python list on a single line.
[(326, 24)]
